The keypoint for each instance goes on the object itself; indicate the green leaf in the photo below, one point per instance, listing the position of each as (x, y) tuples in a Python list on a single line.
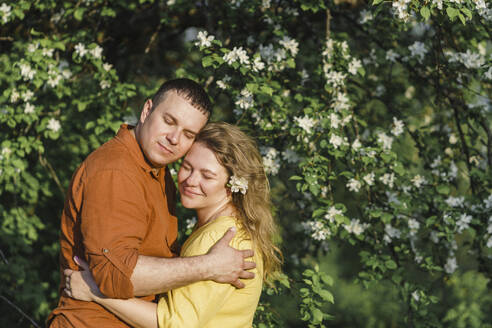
[(317, 315), (452, 12), (79, 13), (326, 295), (443, 189), (390, 264), (425, 12), (376, 2)]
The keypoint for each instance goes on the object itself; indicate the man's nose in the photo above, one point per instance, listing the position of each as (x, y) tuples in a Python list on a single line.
[(173, 137)]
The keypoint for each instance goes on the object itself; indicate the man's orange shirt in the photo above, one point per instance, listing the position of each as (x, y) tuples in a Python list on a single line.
[(116, 209)]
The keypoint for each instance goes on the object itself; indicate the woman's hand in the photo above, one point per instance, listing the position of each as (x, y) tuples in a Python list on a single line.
[(80, 285)]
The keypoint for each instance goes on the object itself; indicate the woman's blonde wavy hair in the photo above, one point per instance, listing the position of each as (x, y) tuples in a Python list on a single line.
[(239, 154)]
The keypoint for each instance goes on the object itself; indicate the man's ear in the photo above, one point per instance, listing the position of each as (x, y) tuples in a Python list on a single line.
[(146, 110)]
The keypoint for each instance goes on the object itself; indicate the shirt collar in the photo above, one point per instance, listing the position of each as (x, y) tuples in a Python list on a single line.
[(126, 137)]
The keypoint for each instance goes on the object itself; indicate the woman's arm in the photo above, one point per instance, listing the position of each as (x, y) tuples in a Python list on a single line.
[(135, 312)]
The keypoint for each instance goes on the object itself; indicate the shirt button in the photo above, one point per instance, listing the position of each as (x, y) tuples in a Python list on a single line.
[(105, 250)]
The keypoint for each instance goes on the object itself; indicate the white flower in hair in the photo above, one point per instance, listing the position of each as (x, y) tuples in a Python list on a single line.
[(238, 184)]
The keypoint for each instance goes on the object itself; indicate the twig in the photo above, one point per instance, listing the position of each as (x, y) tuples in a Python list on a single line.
[(3, 257), (20, 311), (6, 38), (44, 162)]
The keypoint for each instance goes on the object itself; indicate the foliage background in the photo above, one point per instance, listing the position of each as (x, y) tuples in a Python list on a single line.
[(374, 121)]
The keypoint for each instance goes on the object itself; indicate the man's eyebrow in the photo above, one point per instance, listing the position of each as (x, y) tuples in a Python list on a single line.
[(175, 121)]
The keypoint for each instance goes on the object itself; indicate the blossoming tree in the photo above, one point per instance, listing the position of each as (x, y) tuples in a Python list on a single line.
[(373, 120)]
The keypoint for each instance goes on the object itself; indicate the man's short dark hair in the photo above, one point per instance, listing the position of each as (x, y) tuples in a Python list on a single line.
[(189, 90)]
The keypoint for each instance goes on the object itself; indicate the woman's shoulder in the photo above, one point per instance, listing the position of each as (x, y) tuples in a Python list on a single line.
[(206, 236)]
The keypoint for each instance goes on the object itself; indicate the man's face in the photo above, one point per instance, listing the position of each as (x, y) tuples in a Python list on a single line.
[(167, 132)]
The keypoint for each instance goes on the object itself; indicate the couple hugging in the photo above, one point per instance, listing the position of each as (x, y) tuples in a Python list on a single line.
[(119, 229)]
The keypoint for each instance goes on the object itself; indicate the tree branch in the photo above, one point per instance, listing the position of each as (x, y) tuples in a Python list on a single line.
[(34, 323)]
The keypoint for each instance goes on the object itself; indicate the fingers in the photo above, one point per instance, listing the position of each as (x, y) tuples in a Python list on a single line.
[(246, 275), (248, 265), (67, 272), (247, 253), (228, 236), (81, 263), (238, 284), (68, 292)]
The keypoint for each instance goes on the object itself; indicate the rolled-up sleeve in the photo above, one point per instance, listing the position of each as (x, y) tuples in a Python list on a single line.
[(113, 225)]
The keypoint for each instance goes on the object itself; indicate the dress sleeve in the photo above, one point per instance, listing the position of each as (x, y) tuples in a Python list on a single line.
[(195, 304), (113, 225)]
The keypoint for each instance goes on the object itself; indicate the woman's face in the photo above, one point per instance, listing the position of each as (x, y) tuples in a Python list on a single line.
[(202, 180)]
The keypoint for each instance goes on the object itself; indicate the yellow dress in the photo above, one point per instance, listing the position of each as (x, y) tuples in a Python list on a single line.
[(209, 304)]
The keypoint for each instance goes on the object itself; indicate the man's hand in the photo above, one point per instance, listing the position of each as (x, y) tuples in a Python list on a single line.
[(228, 264)]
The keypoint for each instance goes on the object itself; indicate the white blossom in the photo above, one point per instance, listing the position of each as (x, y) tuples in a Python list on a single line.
[(385, 140), (416, 296), (27, 72), (455, 201), (354, 65), (450, 265), (53, 81), (190, 223), (331, 213), (418, 49), (414, 226), (488, 74), (369, 178), (271, 163), (5, 11), (290, 156), (80, 50), (47, 52), (104, 84), (365, 16), (245, 100), (238, 184), (356, 227), (258, 65), (54, 125), (401, 9), (107, 67), (97, 52), (14, 96), (453, 139), (29, 109), (290, 44), (463, 222), (397, 127), (32, 47), (391, 55), (488, 202), (354, 185), (418, 181), (236, 54), (317, 229), (204, 40), (390, 233), (438, 3), (27, 95), (356, 144), (388, 179), (306, 123), (334, 120), (336, 141)]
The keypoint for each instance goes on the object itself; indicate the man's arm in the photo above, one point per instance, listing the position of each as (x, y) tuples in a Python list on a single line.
[(223, 264)]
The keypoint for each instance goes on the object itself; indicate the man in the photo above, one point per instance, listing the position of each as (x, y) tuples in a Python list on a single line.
[(119, 212)]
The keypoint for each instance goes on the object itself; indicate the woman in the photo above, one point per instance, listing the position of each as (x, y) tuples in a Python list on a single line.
[(223, 179)]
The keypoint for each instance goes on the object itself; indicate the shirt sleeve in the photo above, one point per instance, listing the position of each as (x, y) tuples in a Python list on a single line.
[(195, 304), (113, 225)]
